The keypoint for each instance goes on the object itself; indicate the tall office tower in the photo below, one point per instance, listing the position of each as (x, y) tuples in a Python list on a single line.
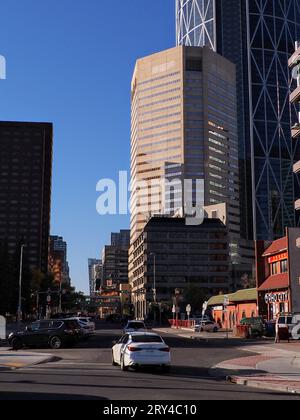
[(294, 64), (92, 264), (115, 259), (183, 128), (58, 259), (121, 239), (259, 37), (25, 188)]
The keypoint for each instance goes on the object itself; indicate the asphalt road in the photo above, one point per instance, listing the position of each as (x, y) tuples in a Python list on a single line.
[(85, 373)]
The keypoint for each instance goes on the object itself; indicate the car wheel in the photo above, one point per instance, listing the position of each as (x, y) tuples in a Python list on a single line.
[(124, 368), (16, 344), (55, 342), (113, 360)]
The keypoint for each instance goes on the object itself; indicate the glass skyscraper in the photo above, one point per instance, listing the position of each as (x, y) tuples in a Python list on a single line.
[(259, 37)]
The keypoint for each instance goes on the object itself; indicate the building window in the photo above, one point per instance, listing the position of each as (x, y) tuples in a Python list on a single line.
[(284, 266), (274, 269)]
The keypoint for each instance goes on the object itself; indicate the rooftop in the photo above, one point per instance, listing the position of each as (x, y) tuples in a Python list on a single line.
[(245, 295)]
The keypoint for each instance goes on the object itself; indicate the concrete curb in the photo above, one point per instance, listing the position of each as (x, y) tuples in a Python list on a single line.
[(22, 363), (252, 383)]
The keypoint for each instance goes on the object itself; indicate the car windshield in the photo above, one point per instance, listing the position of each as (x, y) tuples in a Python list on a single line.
[(146, 339), (136, 325)]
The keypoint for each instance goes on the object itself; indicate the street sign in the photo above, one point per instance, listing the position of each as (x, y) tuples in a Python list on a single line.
[(174, 309), (226, 300), (188, 309), (204, 306)]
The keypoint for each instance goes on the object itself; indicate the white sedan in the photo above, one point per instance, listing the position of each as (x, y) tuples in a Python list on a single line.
[(133, 326), (207, 326), (141, 349)]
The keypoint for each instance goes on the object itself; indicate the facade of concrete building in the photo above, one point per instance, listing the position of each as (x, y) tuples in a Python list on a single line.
[(120, 239), (58, 259), (171, 255), (115, 259), (92, 264), (241, 251), (258, 37), (25, 188), (183, 128)]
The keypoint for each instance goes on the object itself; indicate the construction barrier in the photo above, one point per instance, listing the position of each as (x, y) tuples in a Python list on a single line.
[(181, 324), (243, 331)]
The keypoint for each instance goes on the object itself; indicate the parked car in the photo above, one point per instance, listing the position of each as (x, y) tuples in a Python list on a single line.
[(53, 333), (87, 327), (63, 315), (207, 326), (139, 349), (133, 326), (270, 328), (257, 327), (197, 320), (288, 321), (85, 322)]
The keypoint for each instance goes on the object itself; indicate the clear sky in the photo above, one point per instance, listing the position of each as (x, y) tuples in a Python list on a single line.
[(70, 62)]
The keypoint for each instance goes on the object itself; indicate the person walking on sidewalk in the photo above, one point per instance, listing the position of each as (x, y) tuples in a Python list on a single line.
[(277, 338)]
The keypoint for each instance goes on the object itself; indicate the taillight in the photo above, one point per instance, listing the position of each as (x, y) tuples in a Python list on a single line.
[(130, 348), (166, 349)]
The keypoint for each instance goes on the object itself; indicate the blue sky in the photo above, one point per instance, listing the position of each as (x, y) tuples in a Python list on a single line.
[(70, 62)]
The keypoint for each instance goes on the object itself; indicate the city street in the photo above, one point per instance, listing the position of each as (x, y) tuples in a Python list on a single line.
[(86, 373)]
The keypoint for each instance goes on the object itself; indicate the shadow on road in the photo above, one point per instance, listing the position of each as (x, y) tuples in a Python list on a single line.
[(34, 396)]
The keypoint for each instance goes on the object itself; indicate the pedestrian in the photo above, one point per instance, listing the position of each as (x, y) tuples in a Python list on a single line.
[(277, 338)]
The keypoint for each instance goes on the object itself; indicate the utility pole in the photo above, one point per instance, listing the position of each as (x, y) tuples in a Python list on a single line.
[(154, 286), (20, 285)]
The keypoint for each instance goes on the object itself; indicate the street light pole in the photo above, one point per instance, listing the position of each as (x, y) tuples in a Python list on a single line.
[(20, 285), (154, 285)]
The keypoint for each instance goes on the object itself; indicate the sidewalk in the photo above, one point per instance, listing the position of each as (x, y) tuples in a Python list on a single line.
[(20, 359), (191, 334), (274, 366)]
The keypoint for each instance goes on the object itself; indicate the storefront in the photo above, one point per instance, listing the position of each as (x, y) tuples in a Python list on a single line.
[(242, 304), (278, 275)]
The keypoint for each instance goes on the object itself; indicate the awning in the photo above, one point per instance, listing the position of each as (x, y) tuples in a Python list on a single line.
[(277, 282), (276, 247)]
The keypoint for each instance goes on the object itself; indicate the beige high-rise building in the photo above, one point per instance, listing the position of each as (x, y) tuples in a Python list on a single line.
[(184, 127)]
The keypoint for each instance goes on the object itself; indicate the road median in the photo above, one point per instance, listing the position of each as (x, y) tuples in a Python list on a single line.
[(21, 359)]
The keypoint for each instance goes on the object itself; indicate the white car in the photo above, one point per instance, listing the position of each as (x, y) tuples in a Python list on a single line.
[(88, 327), (207, 326), (141, 349), (133, 326)]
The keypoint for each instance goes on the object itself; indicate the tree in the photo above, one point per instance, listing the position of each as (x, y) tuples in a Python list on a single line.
[(195, 296)]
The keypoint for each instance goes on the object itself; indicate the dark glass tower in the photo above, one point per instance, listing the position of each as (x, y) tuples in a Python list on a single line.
[(25, 188), (259, 37)]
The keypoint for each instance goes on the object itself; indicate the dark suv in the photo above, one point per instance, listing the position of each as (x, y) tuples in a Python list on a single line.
[(52, 333)]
